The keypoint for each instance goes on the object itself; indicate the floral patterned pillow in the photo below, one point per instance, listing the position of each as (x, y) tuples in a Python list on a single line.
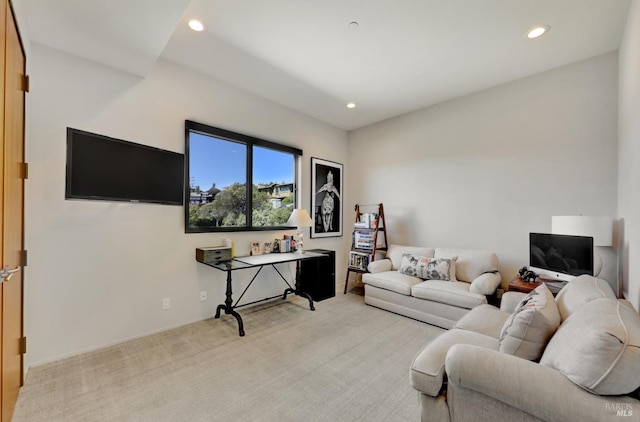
[(427, 268)]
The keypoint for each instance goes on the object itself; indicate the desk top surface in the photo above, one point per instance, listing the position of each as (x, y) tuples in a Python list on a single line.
[(241, 262)]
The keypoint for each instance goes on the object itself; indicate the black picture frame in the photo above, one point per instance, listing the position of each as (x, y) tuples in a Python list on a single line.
[(326, 198)]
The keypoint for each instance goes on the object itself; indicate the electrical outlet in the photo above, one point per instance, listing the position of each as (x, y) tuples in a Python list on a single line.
[(166, 303), (203, 296)]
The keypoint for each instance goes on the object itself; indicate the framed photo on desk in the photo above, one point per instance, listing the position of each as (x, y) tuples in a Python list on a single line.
[(256, 249)]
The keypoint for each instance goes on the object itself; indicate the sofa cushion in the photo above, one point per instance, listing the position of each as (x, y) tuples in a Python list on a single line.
[(428, 268), (471, 263), (454, 293), (427, 368), (581, 290), (394, 253), (526, 332), (379, 266), (393, 281), (484, 319), (598, 348)]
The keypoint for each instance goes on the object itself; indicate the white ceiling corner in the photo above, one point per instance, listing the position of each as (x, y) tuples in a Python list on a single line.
[(126, 34)]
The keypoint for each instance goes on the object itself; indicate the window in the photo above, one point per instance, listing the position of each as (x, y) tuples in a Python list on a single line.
[(230, 173)]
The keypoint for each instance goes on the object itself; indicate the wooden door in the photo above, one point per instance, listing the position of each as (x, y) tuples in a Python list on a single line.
[(3, 30), (12, 214)]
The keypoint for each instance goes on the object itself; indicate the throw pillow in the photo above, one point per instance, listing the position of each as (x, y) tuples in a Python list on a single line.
[(427, 268), (598, 347), (526, 332)]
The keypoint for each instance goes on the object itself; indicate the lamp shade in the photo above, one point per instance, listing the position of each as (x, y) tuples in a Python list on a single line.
[(600, 228), (299, 218)]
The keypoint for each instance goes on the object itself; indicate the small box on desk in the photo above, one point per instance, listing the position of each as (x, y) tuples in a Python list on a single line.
[(213, 254)]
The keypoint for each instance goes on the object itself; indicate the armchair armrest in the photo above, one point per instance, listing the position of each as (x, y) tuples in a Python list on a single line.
[(380, 266), (526, 386), (486, 284), (510, 300)]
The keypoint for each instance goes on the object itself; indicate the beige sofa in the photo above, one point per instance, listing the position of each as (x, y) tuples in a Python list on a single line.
[(513, 364), (474, 276)]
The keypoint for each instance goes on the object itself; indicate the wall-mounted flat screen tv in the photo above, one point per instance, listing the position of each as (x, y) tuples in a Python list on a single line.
[(104, 168), (560, 256)]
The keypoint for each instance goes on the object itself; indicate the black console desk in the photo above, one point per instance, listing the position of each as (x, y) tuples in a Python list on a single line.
[(259, 262), (318, 276)]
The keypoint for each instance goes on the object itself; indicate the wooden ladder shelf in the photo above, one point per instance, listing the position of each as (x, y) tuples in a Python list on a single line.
[(369, 236)]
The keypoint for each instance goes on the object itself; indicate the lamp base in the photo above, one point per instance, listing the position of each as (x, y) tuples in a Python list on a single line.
[(299, 248)]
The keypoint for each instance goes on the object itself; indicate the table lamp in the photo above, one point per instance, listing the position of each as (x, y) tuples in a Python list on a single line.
[(299, 218), (600, 228)]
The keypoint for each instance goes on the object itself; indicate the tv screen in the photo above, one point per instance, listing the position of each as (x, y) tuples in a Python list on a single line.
[(561, 254), (104, 168)]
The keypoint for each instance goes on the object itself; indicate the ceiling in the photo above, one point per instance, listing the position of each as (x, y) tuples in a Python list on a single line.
[(304, 54)]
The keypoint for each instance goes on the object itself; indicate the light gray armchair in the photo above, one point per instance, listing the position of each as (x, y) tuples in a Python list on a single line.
[(587, 369)]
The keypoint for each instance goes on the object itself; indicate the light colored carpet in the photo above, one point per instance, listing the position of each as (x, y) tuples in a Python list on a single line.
[(344, 362)]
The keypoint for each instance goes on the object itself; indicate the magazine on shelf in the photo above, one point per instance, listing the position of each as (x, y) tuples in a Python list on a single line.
[(359, 260)]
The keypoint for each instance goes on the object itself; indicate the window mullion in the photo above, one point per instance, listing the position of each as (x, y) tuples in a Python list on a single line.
[(249, 202)]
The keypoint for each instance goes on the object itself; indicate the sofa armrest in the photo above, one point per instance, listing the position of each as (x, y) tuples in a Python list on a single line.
[(486, 284), (510, 300), (380, 266), (524, 385)]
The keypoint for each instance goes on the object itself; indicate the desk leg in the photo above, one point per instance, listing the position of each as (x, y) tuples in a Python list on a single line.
[(297, 290), (228, 307)]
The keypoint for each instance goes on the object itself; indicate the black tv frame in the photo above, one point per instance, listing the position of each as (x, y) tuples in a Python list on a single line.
[(138, 195)]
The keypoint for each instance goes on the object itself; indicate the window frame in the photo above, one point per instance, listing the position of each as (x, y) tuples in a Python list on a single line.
[(249, 142)]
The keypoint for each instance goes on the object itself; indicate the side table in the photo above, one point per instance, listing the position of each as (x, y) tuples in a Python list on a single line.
[(519, 285)]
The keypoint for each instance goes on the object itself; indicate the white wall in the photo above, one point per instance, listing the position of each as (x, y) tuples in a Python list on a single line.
[(98, 270), (629, 154), (484, 170)]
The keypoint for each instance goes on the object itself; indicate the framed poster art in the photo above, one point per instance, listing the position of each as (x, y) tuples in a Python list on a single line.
[(326, 198)]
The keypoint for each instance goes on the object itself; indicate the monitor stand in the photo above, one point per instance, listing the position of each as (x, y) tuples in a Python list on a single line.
[(552, 275)]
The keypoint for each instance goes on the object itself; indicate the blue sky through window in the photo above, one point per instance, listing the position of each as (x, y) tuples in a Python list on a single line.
[(223, 162), (272, 166)]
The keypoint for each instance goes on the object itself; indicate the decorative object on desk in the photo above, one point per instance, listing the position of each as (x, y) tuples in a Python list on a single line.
[(213, 254), (268, 247), (600, 228), (291, 242), (276, 246), (230, 244), (285, 245), (299, 218), (255, 248), (326, 198), (527, 275)]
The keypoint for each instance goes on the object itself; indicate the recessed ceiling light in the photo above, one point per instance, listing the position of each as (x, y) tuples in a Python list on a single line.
[(537, 31), (353, 25), (196, 25), (351, 105)]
